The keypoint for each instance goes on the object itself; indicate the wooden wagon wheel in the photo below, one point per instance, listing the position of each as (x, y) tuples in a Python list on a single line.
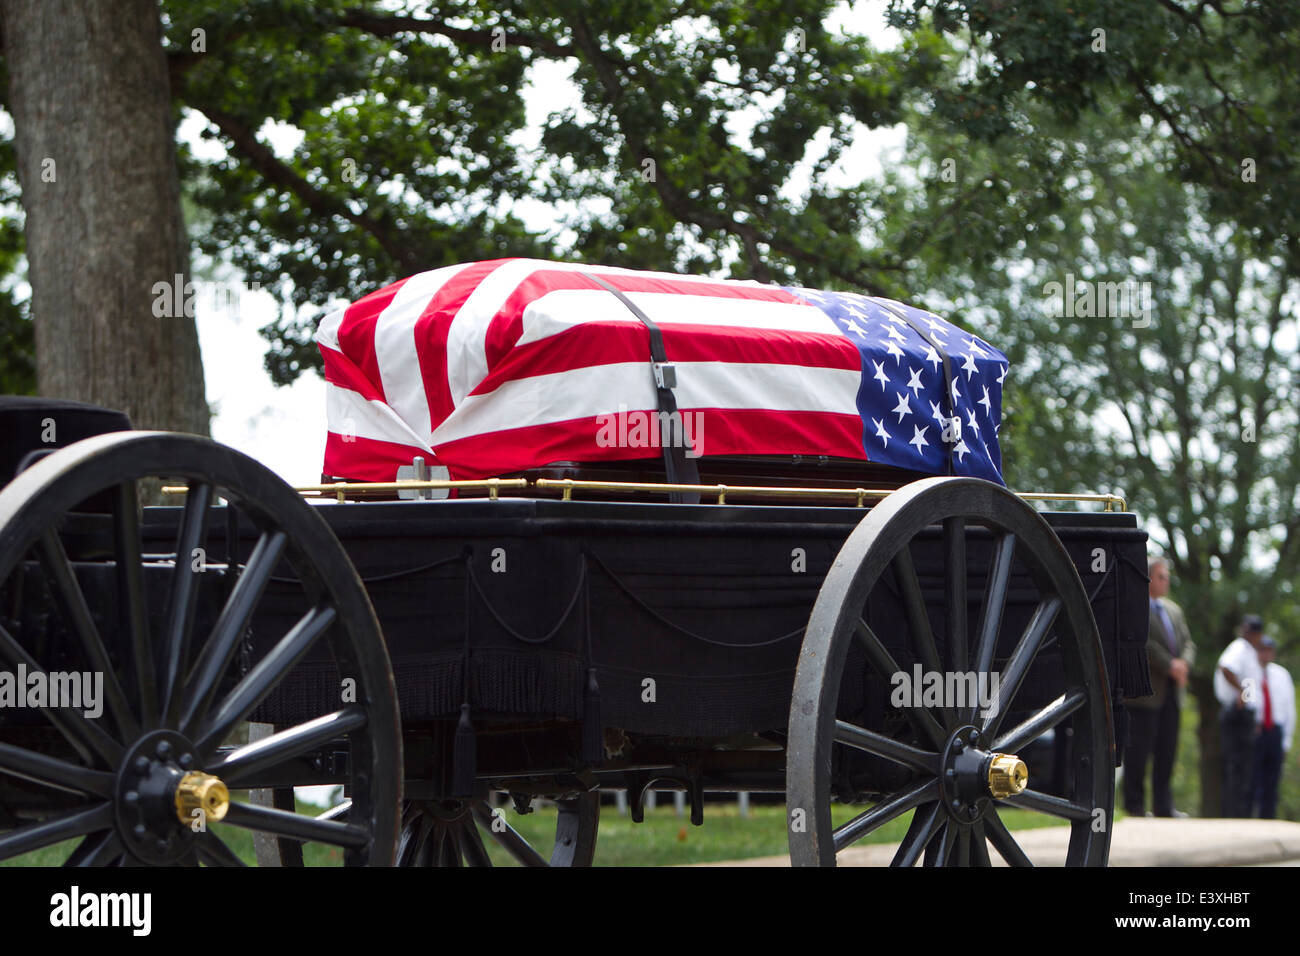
[(123, 783), (450, 833), (953, 761)]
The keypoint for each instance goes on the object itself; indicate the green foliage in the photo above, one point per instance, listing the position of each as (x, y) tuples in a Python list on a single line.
[(412, 122)]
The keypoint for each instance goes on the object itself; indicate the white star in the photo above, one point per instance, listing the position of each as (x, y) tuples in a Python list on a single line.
[(970, 417), (932, 356), (960, 450), (934, 410), (903, 407), (988, 406), (918, 437), (956, 395), (880, 430), (935, 329), (1003, 376), (894, 334), (880, 375), (974, 347), (970, 368), (857, 310), (914, 383), (853, 324), (894, 350)]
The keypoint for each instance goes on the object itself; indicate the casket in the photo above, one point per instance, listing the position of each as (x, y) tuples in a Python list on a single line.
[(493, 368)]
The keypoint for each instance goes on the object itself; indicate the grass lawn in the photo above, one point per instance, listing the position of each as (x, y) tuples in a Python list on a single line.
[(664, 839)]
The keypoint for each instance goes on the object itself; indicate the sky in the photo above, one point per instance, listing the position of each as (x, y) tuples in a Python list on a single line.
[(285, 427)]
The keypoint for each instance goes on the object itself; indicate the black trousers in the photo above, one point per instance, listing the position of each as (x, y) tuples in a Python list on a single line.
[(1268, 772), (1152, 737), (1238, 730)]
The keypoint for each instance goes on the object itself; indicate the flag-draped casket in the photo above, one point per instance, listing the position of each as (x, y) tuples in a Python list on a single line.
[(490, 368)]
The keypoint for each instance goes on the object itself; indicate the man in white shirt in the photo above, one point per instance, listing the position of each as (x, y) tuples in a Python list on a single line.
[(1276, 728), (1238, 681)]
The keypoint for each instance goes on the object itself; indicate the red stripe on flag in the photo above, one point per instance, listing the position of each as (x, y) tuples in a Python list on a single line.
[(357, 335), (368, 459), (601, 343), (340, 370), (507, 325), (431, 334), (724, 432)]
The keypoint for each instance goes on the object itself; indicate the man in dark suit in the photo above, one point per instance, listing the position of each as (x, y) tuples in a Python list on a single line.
[(1153, 720)]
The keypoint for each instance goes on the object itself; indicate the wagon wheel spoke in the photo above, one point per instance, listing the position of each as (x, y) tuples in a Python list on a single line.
[(884, 664), (954, 589), (899, 803), (1003, 841), (1021, 658), (128, 562), (508, 837), (184, 596), (34, 836), (263, 678), (53, 772), (868, 740), (1044, 720), (476, 853), (73, 607), (918, 618), (339, 812), (97, 849), (944, 849), (449, 853), (213, 851), (1046, 803), (88, 739), (237, 767), (219, 651), (294, 826), (925, 824), (995, 600), (979, 845)]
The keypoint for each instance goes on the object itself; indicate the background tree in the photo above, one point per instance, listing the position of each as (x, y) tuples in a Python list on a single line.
[(1182, 391), (96, 159)]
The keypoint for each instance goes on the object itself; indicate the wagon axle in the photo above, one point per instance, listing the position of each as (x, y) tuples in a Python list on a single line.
[(972, 775)]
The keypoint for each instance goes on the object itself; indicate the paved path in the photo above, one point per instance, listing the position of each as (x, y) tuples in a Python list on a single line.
[(1146, 842)]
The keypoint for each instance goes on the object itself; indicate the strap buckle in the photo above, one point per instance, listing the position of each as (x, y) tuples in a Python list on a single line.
[(665, 374)]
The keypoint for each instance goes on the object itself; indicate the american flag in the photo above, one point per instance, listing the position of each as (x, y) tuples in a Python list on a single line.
[(493, 367)]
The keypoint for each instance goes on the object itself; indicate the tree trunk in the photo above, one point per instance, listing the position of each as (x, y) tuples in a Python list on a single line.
[(96, 152)]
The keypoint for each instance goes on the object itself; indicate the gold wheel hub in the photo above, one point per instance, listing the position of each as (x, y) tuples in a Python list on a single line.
[(201, 791), (1008, 776)]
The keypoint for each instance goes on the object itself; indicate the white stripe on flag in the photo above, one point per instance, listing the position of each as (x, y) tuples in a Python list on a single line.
[(347, 413), (395, 349), (601, 389), (467, 339), (557, 311), (327, 332)]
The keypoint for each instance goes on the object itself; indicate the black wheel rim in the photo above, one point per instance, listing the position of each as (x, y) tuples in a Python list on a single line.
[(175, 690), (458, 832), (950, 826)]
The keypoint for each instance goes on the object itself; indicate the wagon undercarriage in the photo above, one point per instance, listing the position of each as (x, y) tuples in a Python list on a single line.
[(429, 654)]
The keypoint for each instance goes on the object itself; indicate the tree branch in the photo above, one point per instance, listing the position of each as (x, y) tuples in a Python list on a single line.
[(278, 173)]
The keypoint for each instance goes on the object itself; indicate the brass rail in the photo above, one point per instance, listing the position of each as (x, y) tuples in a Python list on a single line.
[(719, 492)]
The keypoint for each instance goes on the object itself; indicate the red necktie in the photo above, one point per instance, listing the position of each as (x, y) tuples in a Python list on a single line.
[(1268, 707)]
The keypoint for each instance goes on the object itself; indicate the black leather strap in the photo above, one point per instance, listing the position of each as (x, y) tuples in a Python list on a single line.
[(679, 469)]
